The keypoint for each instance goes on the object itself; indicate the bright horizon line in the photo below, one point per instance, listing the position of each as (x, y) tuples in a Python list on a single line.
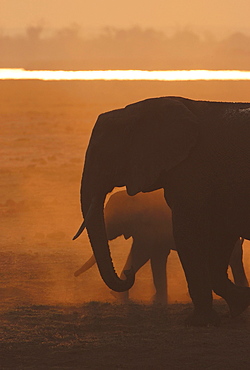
[(124, 75)]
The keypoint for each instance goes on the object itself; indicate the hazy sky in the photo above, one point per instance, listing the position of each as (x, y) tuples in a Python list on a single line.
[(211, 15)]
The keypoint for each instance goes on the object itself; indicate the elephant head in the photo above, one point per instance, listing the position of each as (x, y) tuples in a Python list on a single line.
[(124, 150)]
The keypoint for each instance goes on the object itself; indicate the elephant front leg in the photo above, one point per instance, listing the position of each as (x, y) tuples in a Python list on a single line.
[(191, 238), (199, 287), (158, 266)]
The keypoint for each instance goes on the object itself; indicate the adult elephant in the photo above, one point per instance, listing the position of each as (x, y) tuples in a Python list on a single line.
[(199, 153), (148, 220)]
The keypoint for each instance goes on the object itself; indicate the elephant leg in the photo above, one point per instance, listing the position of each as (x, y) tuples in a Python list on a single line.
[(139, 254), (237, 297), (158, 266), (191, 231), (236, 264), (196, 269)]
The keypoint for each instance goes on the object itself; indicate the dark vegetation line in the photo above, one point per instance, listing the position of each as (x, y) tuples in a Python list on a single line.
[(133, 48)]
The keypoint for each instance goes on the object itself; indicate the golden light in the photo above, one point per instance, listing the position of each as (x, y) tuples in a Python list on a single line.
[(129, 75)]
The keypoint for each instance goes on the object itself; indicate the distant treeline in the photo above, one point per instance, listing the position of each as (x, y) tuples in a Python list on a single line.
[(133, 48)]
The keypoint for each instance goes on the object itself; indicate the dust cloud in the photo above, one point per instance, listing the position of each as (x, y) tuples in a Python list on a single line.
[(45, 128)]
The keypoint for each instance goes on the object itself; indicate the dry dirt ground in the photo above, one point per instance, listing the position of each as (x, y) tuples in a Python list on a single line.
[(108, 336), (48, 318)]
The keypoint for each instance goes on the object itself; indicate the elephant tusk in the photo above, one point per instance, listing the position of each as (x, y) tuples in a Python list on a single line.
[(85, 222), (81, 229), (87, 265)]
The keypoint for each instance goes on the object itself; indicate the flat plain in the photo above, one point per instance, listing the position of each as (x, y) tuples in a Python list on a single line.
[(48, 318)]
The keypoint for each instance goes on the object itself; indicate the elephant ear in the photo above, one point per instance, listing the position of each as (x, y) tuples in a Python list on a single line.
[(162, 133)]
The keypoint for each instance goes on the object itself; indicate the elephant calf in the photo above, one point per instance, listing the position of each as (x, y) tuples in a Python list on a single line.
[(148, 220)]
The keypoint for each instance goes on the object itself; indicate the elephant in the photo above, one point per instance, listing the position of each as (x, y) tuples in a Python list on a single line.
[(148, 220), (198, 152)]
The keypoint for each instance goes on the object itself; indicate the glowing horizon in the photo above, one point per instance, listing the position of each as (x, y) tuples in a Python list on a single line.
[(123, 75)]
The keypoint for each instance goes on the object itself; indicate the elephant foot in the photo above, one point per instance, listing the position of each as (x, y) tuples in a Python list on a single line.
[(239, 305), (199, 318), (162, 300), (121, 297)]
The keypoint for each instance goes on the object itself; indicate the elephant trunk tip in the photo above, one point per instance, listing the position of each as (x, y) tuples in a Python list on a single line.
[(129, 273), (129, 282)]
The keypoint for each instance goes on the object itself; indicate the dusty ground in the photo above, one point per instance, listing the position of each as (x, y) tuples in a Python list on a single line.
[(107, 336), (48, 318)]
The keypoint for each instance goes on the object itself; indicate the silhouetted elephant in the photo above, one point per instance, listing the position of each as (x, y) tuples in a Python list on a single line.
[(199, 153), (148, 220)]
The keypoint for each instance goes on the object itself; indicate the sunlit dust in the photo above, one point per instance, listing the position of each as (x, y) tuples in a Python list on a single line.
[(129, 75)]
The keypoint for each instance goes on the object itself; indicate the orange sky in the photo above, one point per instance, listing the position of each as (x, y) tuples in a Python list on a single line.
[(217, 16)]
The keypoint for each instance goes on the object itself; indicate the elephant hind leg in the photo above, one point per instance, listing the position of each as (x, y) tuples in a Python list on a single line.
[(237, 297), (236, 264)]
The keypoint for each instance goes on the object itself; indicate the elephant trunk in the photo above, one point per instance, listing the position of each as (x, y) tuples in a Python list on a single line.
[(95, 226)]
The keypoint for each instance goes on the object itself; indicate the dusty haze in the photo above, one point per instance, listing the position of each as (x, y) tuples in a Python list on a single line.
[(45, 127)]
